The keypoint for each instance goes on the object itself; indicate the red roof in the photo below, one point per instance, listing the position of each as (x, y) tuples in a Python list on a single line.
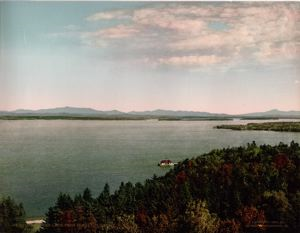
[(166, 161)]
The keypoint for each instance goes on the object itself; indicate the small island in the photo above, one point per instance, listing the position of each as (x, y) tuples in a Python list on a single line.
[(269, 126)]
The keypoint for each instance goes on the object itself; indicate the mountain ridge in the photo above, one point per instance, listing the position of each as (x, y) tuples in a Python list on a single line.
[(273, 112), (77, 111)]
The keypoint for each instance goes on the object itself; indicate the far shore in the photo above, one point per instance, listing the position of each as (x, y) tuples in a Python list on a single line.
[(138, 118), (283, 126)]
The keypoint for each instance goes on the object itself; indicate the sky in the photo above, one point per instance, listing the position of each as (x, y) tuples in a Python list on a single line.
[(216, 57)]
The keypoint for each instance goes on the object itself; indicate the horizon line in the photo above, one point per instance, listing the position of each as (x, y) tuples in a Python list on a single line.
[(156, 109)]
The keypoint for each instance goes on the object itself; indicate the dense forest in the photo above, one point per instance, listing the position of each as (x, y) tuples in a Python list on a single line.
[(12, 217), (271, 126), (240, 189)]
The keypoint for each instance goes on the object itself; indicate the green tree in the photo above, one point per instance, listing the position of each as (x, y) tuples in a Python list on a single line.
[(105, 204), (12, 217)]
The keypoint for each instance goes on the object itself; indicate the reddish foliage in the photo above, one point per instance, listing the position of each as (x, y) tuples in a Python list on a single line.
[(162, 223), (80, 214), (181, 177), (248, 215), (225, 173), (67, 217), (255, 168), (166, 161), (251, 216), (227, 169), (91, 218), (141, 217), (229, 226), (261, 218), (281, 161), (92, 223)]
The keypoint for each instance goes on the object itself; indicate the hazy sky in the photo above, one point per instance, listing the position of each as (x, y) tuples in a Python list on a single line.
[(216, 57)]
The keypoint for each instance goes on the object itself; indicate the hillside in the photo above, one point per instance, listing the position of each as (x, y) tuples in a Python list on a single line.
[(238, 189)]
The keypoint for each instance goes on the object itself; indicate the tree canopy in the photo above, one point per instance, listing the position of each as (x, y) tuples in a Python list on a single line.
[(239, 189), (12, 217)]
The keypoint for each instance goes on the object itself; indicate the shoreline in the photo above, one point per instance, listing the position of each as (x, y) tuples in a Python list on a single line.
[(35, 221)]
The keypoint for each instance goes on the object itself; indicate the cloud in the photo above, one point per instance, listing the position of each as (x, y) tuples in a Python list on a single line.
[(169, 33), (297, 82), (120, 31), (168, 19), (118, 14), (271, 51), (103, 37), (191, 60)]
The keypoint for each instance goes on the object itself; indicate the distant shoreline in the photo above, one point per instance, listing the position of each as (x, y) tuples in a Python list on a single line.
[(105, 118), (137, 118), (287, 126)]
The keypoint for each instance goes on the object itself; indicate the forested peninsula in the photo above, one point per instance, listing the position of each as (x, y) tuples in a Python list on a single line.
[(269, 126)]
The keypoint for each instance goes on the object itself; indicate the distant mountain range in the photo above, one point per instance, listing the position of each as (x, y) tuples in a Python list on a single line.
[(274, 113), (66, 110), (160, 112), (73, 111)]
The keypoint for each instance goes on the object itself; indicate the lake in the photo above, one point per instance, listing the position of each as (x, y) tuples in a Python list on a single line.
[(40, 158)]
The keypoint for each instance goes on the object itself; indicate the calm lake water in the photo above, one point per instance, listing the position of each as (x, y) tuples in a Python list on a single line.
[(39, 158)]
